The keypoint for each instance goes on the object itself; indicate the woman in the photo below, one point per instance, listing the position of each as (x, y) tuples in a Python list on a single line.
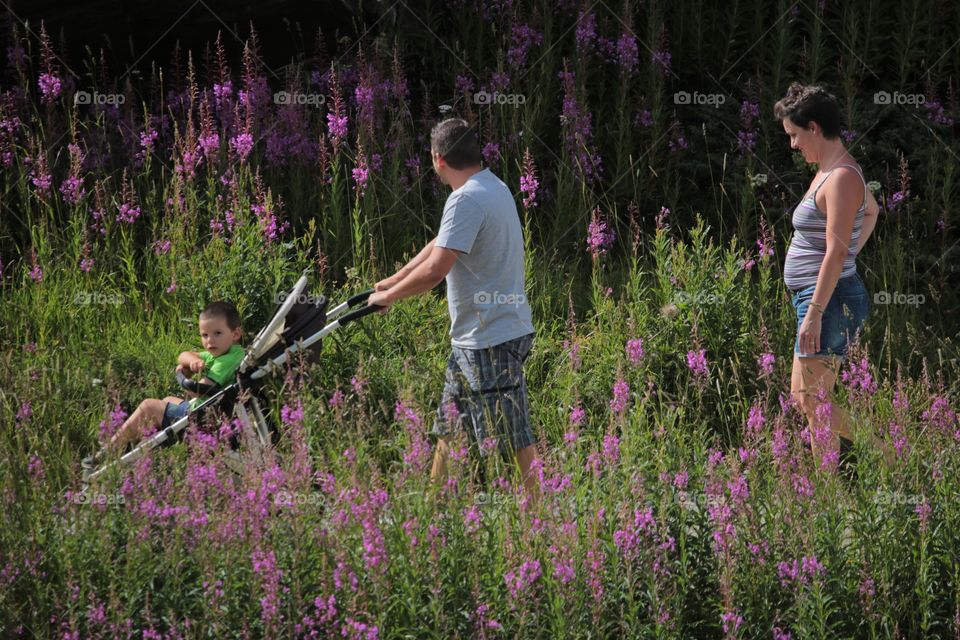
[(831, 225)]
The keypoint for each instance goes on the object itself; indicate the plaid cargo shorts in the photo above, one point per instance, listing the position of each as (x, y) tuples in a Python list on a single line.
[(485, 394)]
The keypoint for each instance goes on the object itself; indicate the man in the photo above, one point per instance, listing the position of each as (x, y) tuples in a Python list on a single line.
[(479, 250)]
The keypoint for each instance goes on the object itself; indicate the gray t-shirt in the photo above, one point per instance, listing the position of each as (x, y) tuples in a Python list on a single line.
[(485, 288)]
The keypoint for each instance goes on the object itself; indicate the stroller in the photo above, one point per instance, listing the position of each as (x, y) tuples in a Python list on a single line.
[(297, 326)]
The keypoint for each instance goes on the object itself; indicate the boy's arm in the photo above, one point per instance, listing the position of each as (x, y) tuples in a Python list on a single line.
[(190, 360)]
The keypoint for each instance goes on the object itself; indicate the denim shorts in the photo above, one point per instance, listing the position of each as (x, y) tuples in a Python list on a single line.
[(485, 394), (842, 319), (173, 412)]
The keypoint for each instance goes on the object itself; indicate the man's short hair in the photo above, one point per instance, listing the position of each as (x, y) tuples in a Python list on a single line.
[(456, 143), (225, 310)]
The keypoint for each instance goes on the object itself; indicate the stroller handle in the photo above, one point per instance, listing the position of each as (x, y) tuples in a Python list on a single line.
[(195, 386), (356, 314), (354, 300)]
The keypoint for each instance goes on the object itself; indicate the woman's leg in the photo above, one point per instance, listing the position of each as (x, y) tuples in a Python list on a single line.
[(813, 379)]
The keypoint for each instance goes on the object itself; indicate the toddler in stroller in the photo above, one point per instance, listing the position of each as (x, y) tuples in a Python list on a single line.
[(234, 378), (220, 334)]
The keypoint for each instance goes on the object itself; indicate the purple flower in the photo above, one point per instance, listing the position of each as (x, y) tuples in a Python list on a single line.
[(755, 420), (364, 96), (611, 448), (765, 363), (222, 93), (627, 55), (86, 264), (147, 139), (210, 144), (519, 582), (621, 396), (634, 350), (36, 273), (586, 32), (471, 519), (338, 128), (662, 218), (50, 87), (936, 113), (464, 84), (24, 413), (680, 480), (799, 572), (747, 136), (292, 415), (72, 189), (577, 132), (662, 61), (42, 181), (858, 379), (731, 622), (361, 175), (499, 82), (528, 181), (483, 622), (577, 415), (491, 153), (599, 236), (128, 213), (524, 38), (242, 144), (697, 362)]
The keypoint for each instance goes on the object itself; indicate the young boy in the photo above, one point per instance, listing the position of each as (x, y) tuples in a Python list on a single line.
[(219, 333)]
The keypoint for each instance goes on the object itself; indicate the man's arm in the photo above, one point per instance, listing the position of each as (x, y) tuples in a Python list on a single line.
[(427, 274), (408, 268)]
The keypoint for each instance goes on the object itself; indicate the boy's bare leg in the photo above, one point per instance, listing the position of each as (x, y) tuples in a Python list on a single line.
[(150, 411)]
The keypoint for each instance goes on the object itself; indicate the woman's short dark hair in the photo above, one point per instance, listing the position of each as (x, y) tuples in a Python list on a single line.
[(225, 310), (456, 143), (804, 104)]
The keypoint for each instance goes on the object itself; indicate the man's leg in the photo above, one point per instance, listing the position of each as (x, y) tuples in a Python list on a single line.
[(525, 459), (441, 457)]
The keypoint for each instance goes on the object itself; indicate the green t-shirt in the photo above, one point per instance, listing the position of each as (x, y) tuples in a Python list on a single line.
[(220, 369)]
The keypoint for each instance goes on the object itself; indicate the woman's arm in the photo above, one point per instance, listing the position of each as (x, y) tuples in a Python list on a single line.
[(870, 218)]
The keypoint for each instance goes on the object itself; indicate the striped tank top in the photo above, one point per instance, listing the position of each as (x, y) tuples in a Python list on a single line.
[(808, 247)]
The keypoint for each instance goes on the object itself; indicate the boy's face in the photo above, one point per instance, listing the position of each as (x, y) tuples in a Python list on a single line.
[(216, 335)]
